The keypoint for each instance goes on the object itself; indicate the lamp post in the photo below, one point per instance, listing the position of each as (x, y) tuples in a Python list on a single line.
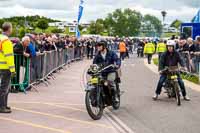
[(164, 13)]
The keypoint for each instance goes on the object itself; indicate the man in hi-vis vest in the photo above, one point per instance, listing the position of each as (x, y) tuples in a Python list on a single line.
[(7, 66)]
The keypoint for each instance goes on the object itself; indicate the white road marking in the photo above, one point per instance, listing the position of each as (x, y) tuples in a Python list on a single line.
[(116, 122)]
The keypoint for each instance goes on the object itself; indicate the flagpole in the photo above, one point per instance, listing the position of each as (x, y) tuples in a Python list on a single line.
[(80, 13)]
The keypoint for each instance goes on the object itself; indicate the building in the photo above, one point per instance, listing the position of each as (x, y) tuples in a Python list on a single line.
[(71, 25), (168, 28)]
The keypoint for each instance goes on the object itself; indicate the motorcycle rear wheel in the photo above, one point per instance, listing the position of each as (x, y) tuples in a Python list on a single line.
[(116, 105)]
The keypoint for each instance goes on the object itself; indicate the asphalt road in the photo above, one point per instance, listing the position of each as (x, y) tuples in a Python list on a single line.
[(57, 108), (60, 107), (143, 115)]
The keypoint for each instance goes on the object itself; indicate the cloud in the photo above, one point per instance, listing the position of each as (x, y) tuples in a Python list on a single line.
[(68, 9)]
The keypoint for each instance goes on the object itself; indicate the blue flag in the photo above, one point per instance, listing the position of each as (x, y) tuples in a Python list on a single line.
[(197, 18), (80, 13)]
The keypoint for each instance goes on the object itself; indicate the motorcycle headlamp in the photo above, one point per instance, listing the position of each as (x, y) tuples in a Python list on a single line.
[(94, 68)]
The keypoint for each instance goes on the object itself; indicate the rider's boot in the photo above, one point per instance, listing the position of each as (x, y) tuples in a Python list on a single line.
[(155, 97), (186, 98)]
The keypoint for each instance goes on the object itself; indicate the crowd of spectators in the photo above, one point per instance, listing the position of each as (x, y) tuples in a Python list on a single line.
[(187, 47)]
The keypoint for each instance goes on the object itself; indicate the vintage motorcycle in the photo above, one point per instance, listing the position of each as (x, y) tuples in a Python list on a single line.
[(171, 84), (99, 93)]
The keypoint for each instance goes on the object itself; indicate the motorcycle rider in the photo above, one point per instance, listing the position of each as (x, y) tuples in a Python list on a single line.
[(105, 58), (170, 58)]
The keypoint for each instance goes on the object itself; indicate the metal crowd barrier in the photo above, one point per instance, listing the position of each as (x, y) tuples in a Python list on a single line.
[(193, 66), (21, 81), (196, 63), (38, 69)]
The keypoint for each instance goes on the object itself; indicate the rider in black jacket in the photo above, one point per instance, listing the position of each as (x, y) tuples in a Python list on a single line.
[(105, 58), (168, 59)]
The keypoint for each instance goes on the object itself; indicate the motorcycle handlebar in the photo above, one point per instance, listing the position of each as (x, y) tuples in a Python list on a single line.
[(109, 66)]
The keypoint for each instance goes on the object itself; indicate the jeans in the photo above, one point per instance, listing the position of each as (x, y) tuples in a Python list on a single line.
[(111, 77), (196, 64), (163, 79), (5, 77)]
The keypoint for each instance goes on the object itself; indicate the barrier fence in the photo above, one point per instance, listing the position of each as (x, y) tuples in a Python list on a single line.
[(34, 70)]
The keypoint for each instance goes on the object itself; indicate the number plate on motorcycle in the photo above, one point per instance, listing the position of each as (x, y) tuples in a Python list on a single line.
[(94, 80), (174, 77)]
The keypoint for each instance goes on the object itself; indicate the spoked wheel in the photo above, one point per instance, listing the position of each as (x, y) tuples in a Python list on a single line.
[(116, 105), (178, 99), (95, 111)]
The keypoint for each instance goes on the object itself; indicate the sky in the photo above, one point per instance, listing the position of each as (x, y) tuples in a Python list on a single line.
[(67, 10)]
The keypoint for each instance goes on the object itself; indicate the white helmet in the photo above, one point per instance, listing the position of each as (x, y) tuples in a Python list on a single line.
[(171, 43)]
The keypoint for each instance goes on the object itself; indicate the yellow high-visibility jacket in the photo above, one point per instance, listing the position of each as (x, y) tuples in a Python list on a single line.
[(6, 54), (161, 48), (149, 48)]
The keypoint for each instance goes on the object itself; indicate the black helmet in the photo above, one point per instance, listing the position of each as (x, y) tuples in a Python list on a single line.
[(102, 43)]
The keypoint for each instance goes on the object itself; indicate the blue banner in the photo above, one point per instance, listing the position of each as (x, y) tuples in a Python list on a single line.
[(80, 13), (197, 18)]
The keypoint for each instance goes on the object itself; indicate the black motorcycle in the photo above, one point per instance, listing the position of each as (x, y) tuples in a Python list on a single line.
[(99, 93), (171, 84)]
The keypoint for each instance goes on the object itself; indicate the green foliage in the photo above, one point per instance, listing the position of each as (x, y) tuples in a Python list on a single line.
[(152, 25), (96, 27), (22, 32), (1, 22), (155, 60), (123, 22), (29, 21), (80, 27), (169, 34), (67, 32), (176, 23), (56, 30), (42, 24)]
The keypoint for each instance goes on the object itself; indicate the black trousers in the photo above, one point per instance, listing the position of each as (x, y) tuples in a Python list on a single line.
[(149, 57), (122, 55), (90, 53), (5, 77)]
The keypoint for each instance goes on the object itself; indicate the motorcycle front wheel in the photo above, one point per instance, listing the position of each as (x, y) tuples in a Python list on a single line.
[(178, 99), (95, 112)]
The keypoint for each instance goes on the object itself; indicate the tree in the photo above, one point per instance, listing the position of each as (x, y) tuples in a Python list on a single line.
[(152, 25), (42, 24), (96, 27), (1, 22), (80, 27), (22, 32), (56, 30), (123, 23), (176, 23)]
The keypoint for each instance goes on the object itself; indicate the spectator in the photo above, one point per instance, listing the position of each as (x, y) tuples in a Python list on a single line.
[(184, 51), (122, 49), (197, 54), (190, 42), (31, 47)]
